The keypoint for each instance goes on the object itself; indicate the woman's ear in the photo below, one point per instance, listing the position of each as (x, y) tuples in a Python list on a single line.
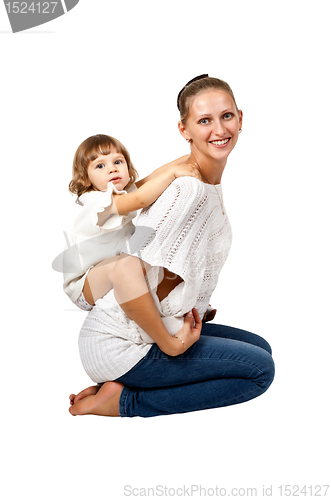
[(240, 119), (183, 131)]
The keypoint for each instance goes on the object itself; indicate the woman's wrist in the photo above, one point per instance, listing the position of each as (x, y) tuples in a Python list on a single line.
[(173, 345), (182, 342)]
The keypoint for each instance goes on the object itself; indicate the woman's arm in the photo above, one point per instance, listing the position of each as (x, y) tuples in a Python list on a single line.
[(159, 170), (131, 292), (147, 193)]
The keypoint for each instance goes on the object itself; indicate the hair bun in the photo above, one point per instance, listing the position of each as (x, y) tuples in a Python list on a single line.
[(188, 83)]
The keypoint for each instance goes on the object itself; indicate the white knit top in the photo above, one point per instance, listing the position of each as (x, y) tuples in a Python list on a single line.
[(89, 243), (192, 239)]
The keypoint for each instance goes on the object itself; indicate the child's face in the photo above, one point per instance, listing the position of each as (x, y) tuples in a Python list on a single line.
[(109, 168)]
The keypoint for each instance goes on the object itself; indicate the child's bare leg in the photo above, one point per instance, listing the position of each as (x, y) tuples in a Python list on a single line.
[(105, 402), (99, 280), (90, 391)]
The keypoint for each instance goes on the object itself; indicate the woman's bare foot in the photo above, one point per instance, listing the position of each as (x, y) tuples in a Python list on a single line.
[(104, 402), (90, 391)]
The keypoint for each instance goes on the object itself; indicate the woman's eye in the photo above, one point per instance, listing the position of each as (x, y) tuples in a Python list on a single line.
[(227, 116), (203, 121), (100, 165)]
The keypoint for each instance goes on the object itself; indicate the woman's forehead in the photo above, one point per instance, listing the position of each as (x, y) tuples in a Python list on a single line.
[(208, 100)]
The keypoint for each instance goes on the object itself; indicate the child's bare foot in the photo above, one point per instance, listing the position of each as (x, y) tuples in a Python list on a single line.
[(104, 402), (90, 391), (209, 314)]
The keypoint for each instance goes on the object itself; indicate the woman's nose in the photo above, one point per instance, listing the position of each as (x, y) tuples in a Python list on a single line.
[(218, 128)]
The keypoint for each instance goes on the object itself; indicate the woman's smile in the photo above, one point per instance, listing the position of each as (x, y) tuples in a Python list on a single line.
[(221, 143)]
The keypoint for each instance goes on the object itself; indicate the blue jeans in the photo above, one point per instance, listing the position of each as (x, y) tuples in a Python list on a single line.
[(226, 366)]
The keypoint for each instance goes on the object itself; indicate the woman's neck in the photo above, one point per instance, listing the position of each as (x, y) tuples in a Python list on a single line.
[(211, 170)]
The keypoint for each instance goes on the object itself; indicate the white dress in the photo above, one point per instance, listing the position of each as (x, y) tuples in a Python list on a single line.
[(89, 243), (193, 238)]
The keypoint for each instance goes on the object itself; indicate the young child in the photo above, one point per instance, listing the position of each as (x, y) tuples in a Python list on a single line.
[(104, 181)]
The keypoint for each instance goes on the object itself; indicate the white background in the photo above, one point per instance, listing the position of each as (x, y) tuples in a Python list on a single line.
[(116, 68)]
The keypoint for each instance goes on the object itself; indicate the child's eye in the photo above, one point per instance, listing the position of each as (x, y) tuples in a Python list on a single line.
[(100, 165), (118, 162)]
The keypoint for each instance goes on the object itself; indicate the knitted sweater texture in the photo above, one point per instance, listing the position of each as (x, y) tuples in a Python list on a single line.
[(191, 237)]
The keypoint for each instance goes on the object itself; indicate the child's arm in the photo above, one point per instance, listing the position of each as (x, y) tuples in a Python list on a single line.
[(147, 193), (159, 170)]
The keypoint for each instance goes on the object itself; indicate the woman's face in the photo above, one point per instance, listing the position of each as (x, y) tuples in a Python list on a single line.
[(212, 124)]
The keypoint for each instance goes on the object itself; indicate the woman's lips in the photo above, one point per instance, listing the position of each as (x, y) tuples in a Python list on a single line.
[(221, 143)]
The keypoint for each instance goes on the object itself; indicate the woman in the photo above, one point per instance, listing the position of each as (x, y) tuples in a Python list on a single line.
[(172, 277)]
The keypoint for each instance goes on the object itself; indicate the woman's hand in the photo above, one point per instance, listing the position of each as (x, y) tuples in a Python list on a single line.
[(188, 334)]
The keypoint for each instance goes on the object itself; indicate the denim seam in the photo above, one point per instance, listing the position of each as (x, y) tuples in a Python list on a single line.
[(122, 403), (209, 359), (228, 402)]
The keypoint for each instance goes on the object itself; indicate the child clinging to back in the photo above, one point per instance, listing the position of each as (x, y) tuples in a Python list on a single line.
[(104, 180)]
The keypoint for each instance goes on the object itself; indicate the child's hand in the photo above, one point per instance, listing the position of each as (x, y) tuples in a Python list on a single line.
[(184, 169)]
